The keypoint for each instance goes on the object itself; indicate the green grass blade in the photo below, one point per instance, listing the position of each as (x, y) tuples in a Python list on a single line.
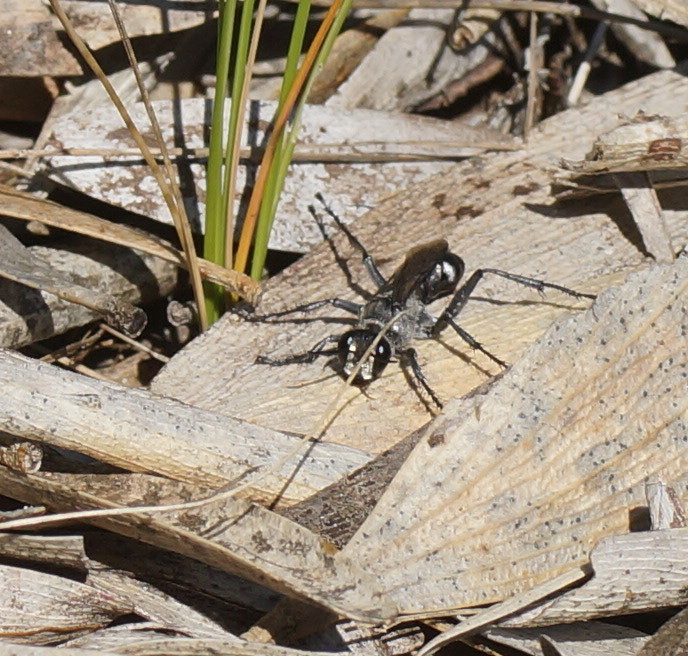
[(280, 165), (215, 224)]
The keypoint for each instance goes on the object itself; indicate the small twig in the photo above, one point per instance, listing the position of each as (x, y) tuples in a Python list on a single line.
[(137, 345), (583, 71), (534, 63), (362, 151)]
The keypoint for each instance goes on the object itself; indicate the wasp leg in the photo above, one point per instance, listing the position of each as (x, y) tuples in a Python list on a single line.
[(299, 358), (474, 343), (463, 293), (340, 303), (368, 261), (409, 355)]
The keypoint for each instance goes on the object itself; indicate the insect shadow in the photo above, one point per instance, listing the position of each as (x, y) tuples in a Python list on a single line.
[(398, 310)]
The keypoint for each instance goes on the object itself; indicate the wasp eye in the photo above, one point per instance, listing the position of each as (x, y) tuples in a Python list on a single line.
[(352, 347)]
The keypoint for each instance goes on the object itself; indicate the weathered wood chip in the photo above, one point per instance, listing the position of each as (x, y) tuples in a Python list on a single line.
[(495, 211), (632, 573), (94, 21), (21, 205), (231, 534), (585, 638), (675, 10), (642, 143), (141, 431), (512, 489), (338, 151), (19, 264), (39, 608)]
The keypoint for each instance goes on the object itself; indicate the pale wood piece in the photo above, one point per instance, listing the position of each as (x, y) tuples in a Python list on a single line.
[(488, 616), (141, 431), (644, 142), (496, 211), (96, 26), (349, 49), (30, 45), (632, 573), (666, 510), (126, 641), (51, 606), (643, 203), (55, 550), (515, 488), (646, 45), (160, 608), (148, 563), (224, 532), (675, 10), (15, 649), (26, 207), (409, 64), (133, 637), (573, 647), (586, 638), (345, 147), (19, 264), (28, 315)]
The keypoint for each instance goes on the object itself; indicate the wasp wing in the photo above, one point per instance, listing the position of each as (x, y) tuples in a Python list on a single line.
[(418, 264)]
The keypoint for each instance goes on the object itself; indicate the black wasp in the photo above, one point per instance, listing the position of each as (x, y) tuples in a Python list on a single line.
[(399, 308)]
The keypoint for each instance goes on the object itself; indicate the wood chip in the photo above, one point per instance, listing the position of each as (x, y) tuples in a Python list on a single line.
[(647, 46), (26, 207), (666, 510), (642, 143), (341, 149), (227, 533), (19, 264), (95, 25), (641, 199), (54, 550), (495, 212), (674, 10), (140, 431), (633, 573), (576, 639), (28, 315), (410, 64), (162, 609), (51, 606), (514, 488), (30, 45)]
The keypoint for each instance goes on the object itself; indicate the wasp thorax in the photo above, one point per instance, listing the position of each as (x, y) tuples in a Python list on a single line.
[(351, 349)]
